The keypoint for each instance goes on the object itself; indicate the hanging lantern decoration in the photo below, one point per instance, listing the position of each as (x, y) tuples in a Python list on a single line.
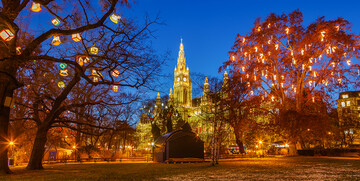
[(94, 50), (115, 18), (6, 35), (115, 73), (95, 79), (115, 88), (81, 59), (63, 65), (18, 50), (64, 72), (56, 41), (56, 22), (36, 7), (76, 37), (61, 84)]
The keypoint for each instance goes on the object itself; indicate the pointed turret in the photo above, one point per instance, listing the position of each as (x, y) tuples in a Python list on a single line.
[(225, 86), (181, 61), (182, 84), (171, 97), (205, 96), (158, 99), (225, 79)]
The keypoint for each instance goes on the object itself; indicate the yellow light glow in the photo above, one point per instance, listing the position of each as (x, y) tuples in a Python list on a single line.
[(256, 49), (260, 141), (56, 41), (36, 7), (74, 147), (302, 52), (348, 62), (76, 37), (243, 41), (276, 46), (115, 18), (269, 25), (11, 143), (287, 30), (6, 35)]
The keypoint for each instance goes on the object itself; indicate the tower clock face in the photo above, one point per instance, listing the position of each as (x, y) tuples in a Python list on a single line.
[(184, 79)]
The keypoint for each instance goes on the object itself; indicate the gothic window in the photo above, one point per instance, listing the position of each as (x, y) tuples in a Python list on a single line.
[(185, 96)]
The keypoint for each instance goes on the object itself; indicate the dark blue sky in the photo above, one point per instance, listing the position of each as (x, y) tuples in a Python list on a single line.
[(208, 27)]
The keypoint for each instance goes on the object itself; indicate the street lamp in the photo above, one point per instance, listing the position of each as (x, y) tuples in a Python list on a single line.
[(12, 151), (74, 147)]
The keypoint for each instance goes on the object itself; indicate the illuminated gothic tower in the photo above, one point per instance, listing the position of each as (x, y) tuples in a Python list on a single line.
[(182, 81)]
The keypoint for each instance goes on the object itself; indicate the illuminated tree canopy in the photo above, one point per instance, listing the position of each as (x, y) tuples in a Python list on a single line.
[(282, 59)]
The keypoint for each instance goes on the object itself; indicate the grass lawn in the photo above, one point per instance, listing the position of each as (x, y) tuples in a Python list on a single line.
[(285, 168)]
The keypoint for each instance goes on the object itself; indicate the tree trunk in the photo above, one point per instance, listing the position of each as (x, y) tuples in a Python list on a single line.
[(4, 124), (38, 150), (238, 138), (8, 84)]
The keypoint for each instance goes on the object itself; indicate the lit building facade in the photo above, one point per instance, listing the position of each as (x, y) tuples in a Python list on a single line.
[(349, 116), (198, 112)]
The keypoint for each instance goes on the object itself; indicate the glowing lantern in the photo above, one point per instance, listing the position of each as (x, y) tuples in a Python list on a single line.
[(76, 37), (276, 46), (337, 28), (313, 99), (243, 41), (322, 35), (348, 62), (56, 41), (18, 50), (55, 22), (94, 50), (269, 25), (256, 49), (272, 98), (63, 65), (233, 58), (115, 18), (6, 35), (81, 59), (64, 72), (115, 88), (35, 7), (269, 41), (80, 62), (287, 30), (61, 84), (115, 73), (251, 92), (95, 79), (302, 52)]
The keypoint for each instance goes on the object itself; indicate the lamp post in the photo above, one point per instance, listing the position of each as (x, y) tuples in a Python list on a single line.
[(74, 147), (12, 152)]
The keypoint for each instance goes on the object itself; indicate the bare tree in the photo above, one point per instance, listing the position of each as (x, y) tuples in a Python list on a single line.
[(104, 53)]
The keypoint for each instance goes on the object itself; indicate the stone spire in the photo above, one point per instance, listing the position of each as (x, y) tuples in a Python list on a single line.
[(171, 97), (181, 61), (225, 79), (158, 99)]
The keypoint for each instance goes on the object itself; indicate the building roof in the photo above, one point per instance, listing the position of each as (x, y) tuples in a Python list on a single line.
[(350, 94)]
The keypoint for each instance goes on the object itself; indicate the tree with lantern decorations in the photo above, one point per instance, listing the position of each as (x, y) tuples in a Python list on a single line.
[(292, 66), (106, 50)]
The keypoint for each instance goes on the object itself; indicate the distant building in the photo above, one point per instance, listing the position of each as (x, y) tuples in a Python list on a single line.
[(196, 111), (349, 116)]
